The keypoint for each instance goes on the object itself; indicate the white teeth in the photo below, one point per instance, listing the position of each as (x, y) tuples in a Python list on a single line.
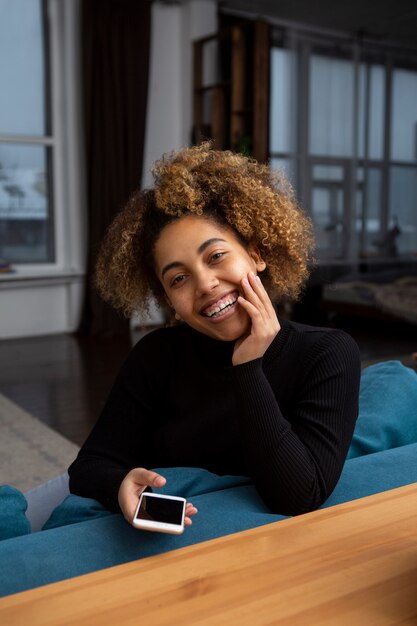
[(223, 305)]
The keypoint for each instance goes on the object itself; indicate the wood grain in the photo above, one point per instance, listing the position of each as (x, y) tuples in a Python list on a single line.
[(354, 564)]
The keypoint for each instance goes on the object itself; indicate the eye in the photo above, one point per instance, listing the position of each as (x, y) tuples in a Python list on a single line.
[(217, 256), (177, 280)]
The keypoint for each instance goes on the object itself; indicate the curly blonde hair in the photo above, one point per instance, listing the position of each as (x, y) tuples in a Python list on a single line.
[(235, 191)]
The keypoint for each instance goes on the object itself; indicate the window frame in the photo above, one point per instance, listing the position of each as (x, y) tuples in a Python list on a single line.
[(64, 140)]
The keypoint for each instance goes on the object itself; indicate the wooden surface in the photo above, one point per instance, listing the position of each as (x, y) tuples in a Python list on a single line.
[(63, 380), (353, 564)]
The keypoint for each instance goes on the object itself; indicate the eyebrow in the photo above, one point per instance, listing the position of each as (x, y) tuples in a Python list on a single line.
[(200, 250)]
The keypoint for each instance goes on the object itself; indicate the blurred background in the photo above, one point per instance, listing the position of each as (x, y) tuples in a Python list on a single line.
[(92, 92)]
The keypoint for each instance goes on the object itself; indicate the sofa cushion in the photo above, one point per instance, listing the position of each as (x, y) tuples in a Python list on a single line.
[(387, 409), (188, 482), (75, 509), (13, 520), (226, 505)]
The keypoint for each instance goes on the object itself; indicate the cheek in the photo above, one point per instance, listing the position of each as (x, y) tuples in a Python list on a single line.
[(240, 270), (179, 301)]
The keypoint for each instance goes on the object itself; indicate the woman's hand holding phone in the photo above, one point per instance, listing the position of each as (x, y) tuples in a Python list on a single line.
[(135, 483), (265, 325)]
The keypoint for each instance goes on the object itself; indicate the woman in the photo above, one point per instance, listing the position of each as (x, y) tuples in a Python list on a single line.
[(230, 388)]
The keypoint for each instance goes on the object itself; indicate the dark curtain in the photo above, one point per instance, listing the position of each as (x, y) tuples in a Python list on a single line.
[(115, 60)]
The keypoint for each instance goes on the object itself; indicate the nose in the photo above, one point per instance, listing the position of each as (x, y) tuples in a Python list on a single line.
[(206, 281)]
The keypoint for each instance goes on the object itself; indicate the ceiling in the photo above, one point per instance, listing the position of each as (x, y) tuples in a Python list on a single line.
[(387, 21)]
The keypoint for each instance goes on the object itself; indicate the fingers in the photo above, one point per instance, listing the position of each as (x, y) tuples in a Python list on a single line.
[(147, 478), (190, 510), (256, 292), (264, 321), (133, 484), (257, 302)]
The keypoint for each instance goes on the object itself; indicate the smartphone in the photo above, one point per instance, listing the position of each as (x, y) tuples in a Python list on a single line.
[(156, 512)]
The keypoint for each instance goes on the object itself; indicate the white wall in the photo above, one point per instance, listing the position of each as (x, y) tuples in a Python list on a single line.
[(169, 122), (39, 306)]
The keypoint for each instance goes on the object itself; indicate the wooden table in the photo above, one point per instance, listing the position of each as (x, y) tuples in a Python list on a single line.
[(354, 563)]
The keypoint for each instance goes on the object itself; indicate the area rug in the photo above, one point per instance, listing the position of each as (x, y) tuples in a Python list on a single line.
[(30, 452)]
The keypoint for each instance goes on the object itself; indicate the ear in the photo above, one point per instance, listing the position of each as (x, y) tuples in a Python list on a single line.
[(254, 253)]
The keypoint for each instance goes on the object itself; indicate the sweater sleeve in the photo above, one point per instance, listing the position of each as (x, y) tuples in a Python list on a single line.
[(295, 459), (117, 440)]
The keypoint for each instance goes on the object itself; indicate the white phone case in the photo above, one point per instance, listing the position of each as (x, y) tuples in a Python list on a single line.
[(159, 525)]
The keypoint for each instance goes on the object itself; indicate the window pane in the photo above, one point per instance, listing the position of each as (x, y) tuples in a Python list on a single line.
[(368, 223), (280, 110), (25, 231), (371, 96), (404, 116), (402, 208), (327, 208), (331, 106), (22, 75), (327, 173), (286, 166)]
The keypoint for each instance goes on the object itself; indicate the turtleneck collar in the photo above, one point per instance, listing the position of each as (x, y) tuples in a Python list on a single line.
[(222, 351)]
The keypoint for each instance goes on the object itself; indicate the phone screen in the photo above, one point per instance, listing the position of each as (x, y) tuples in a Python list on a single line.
[(160, 510)]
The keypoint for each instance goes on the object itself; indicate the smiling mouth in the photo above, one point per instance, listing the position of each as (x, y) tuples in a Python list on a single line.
[(221, 307)]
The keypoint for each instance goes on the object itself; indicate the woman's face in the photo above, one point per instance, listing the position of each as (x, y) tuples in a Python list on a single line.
[(201, 265)]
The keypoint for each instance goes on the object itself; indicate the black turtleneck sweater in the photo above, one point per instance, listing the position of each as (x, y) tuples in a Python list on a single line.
[(286, 419)]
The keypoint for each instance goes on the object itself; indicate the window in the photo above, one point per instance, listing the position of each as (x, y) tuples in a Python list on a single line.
[(343, 124), (26, 141), (331, 106)]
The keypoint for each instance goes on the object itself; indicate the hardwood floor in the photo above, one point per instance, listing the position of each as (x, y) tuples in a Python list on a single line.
[(64, 380), (61, 379)]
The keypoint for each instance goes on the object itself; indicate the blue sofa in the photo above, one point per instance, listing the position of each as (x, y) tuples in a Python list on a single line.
[(80, 536)]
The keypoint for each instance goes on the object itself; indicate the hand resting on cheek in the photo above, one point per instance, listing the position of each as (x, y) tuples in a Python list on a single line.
[(264, 322)]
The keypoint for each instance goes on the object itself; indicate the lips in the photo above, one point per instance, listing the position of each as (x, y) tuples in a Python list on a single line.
[(215, 309)]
